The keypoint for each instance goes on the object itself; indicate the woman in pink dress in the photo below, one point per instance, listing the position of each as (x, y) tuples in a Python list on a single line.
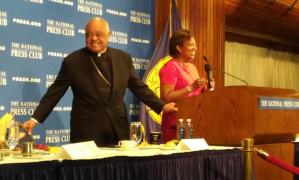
[(179, 78)]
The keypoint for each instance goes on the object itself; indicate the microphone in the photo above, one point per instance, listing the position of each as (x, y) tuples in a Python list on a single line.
[(209, 75), (231, 75)]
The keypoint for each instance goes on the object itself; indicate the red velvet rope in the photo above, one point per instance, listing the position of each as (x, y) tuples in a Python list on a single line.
[(282, 164)]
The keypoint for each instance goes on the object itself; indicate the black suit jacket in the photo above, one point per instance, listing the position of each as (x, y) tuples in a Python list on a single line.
[(94, 117)]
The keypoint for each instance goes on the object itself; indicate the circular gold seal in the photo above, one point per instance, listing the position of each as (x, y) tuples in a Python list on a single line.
[(153, 82)]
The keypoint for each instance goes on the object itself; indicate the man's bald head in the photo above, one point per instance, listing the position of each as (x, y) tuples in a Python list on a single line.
[(97, 34)]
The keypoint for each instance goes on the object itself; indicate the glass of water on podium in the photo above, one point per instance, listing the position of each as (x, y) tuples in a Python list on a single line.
[(136, 132), (12, 135)]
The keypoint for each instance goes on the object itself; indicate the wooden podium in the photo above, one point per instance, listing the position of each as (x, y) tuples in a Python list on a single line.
[(230, 114)]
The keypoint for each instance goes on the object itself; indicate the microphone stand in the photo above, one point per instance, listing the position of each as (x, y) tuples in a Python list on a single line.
[(236, 78), (245, 82)]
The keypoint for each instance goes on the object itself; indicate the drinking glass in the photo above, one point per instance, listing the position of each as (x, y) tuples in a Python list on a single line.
[(12, 135), (136, 133)]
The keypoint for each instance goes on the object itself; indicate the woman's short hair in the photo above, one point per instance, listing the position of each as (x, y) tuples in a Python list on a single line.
[(177, 39)]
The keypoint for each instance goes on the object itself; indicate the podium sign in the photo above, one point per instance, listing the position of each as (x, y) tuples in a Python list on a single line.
[(278, 103)]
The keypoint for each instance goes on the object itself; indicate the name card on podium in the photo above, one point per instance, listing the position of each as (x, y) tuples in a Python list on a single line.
[(193, 144), (82, 150)]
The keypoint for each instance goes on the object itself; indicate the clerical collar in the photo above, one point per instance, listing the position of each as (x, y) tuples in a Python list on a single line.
[(100, 53), (97, 54)]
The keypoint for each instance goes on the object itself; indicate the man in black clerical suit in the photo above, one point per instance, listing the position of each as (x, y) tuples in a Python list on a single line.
[(98, 76)]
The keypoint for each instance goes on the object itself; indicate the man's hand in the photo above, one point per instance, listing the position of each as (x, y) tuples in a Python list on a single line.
[(170, 107), (29, 125)]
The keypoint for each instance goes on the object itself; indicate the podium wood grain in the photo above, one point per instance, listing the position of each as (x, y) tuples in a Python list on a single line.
[(228, 115)]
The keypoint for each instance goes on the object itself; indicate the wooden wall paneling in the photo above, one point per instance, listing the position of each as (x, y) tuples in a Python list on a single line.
[(191, 22), (187, 9), (181, 9), (261, 42), (209, 31), (262, 25), (202, 39), (215, 38), (196, 30), (161, 17), (205, 19), (265, 17), (221, 21)]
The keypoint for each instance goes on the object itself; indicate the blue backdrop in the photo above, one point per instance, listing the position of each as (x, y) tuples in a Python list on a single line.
[(35, 36)]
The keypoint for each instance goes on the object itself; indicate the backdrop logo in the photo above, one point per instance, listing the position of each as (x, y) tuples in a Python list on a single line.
[(23, 108), (37, 1), (25, 79), (36, 35), (116, 13), (2, 48), (3, 80), (139, 40), (140, 17), (3, 18), (119, 37), (26, 22), (57, 54), (2, 108), (140, 63), (60, 28), (30, 51), (90, 7), (62, 108), (57, 135), (50, 78), (64, 2), (134, 109), (81, 31), (36, 136)]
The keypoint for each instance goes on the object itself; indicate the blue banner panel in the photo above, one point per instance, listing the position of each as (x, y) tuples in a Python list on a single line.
[(37, 34)]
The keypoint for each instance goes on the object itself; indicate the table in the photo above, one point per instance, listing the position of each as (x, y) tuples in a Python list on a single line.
[(205, 165)]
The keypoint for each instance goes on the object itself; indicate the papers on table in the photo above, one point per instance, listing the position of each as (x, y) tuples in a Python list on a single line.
[(89, 150)]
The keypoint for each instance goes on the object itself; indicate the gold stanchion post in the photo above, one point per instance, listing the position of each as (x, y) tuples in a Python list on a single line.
[(248, 150)]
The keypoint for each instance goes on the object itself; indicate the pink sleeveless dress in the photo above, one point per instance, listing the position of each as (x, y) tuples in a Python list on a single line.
[(173, 73)]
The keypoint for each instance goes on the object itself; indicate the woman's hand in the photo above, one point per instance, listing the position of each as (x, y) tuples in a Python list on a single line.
[(197, 83), (212, 84)]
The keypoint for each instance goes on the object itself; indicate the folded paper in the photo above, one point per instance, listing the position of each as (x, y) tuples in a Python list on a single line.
[(82, 150), (193, 144)]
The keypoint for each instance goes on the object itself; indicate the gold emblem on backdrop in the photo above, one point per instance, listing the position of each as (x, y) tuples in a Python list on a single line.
[(153, 82)]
